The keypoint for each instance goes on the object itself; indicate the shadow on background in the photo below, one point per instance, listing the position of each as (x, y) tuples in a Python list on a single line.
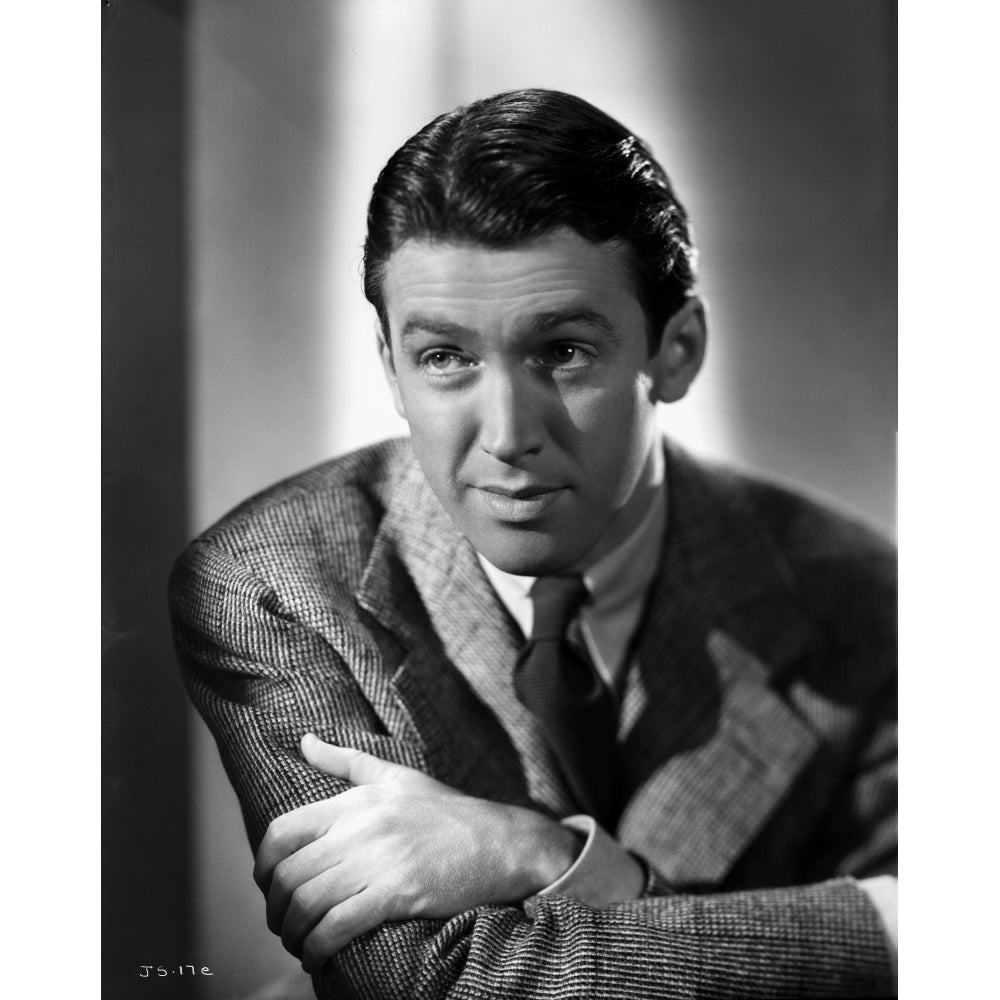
[(146, 904)]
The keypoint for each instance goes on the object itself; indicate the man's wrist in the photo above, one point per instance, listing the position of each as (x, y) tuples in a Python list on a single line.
[(603, 872), (542, 850)]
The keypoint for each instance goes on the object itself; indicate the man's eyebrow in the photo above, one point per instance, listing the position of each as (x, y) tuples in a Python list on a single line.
[(538, 325), (542, 323), (428, 324)]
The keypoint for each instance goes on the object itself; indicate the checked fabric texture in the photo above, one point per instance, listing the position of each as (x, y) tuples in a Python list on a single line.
[(566, 694), (757, 736)]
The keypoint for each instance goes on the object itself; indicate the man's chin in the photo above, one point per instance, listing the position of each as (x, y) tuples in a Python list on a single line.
[(531, 553)]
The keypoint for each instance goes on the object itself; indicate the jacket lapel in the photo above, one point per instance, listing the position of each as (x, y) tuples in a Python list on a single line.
[(458, 646), (709, 750)]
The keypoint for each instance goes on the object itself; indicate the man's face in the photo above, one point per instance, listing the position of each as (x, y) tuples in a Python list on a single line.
[(525, 377)]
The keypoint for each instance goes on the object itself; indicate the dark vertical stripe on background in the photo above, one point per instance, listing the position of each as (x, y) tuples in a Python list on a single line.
[(146, 904)]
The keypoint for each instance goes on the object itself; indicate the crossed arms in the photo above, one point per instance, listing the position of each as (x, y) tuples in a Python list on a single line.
[(439, 928)]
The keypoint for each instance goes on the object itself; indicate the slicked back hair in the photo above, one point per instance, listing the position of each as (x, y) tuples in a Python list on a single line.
[(510, 168)]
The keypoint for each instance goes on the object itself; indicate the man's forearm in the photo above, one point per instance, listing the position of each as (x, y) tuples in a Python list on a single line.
[(814, 941), (497, 853), (397, 845)]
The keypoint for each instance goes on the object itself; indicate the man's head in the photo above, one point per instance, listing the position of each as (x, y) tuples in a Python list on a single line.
[(532, 273), (509, 168)]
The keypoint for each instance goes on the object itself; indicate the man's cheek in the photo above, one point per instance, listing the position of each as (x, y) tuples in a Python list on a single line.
[(441, 466)]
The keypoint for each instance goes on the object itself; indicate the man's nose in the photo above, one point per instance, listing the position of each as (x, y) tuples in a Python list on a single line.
[(510, 419)]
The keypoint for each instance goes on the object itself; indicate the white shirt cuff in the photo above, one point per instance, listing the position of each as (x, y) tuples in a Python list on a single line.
[(603, 872)]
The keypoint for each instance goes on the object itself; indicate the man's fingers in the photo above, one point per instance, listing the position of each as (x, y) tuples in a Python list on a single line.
[(311, 902), (352, 765), (288, 834), (295, 871), (354, 916)]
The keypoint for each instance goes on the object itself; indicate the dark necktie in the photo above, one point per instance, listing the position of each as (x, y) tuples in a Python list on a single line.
[(564, 692)]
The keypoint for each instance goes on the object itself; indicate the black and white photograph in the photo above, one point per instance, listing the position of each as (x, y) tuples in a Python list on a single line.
[(499, 499)]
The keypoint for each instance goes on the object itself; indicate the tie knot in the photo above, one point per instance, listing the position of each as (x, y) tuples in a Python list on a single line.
[(555, 600)]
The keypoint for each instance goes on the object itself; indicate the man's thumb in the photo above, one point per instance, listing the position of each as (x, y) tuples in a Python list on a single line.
[(352, 765)]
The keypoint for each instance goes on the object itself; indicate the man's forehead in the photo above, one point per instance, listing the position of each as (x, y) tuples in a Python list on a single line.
[(557, 270)]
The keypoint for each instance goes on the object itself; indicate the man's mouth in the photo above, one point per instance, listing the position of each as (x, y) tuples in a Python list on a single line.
[(519, 504)]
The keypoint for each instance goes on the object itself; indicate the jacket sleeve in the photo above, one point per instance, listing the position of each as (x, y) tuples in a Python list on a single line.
[(858, 834), (260, 679)]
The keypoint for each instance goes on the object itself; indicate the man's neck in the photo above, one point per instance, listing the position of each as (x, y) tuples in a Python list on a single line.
[(627, 518)]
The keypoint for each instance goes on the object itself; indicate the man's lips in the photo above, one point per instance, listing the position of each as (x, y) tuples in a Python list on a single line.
[(518, 492), (519, 504)]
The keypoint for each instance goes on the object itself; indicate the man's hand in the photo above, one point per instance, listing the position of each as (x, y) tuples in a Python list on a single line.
[(397, 845)]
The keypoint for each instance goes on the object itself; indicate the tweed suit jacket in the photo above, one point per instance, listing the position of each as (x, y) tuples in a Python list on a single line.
[(756, 736)]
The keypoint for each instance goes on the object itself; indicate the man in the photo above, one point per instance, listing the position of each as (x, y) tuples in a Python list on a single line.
[(534, 704)]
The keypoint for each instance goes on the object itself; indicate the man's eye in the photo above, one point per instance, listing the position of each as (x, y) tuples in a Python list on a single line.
[(442, 362), (565, 356)]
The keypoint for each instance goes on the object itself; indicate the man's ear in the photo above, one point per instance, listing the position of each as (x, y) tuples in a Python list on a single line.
[(682, 350), (389, 367)]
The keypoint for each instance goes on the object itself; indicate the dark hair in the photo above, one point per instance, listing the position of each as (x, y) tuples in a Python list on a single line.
[(515, 166)]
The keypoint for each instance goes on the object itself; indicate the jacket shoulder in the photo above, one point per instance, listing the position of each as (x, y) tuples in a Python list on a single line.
[(325, 517), (810, 531), (814, 528), (842, 571), (804, 550)]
